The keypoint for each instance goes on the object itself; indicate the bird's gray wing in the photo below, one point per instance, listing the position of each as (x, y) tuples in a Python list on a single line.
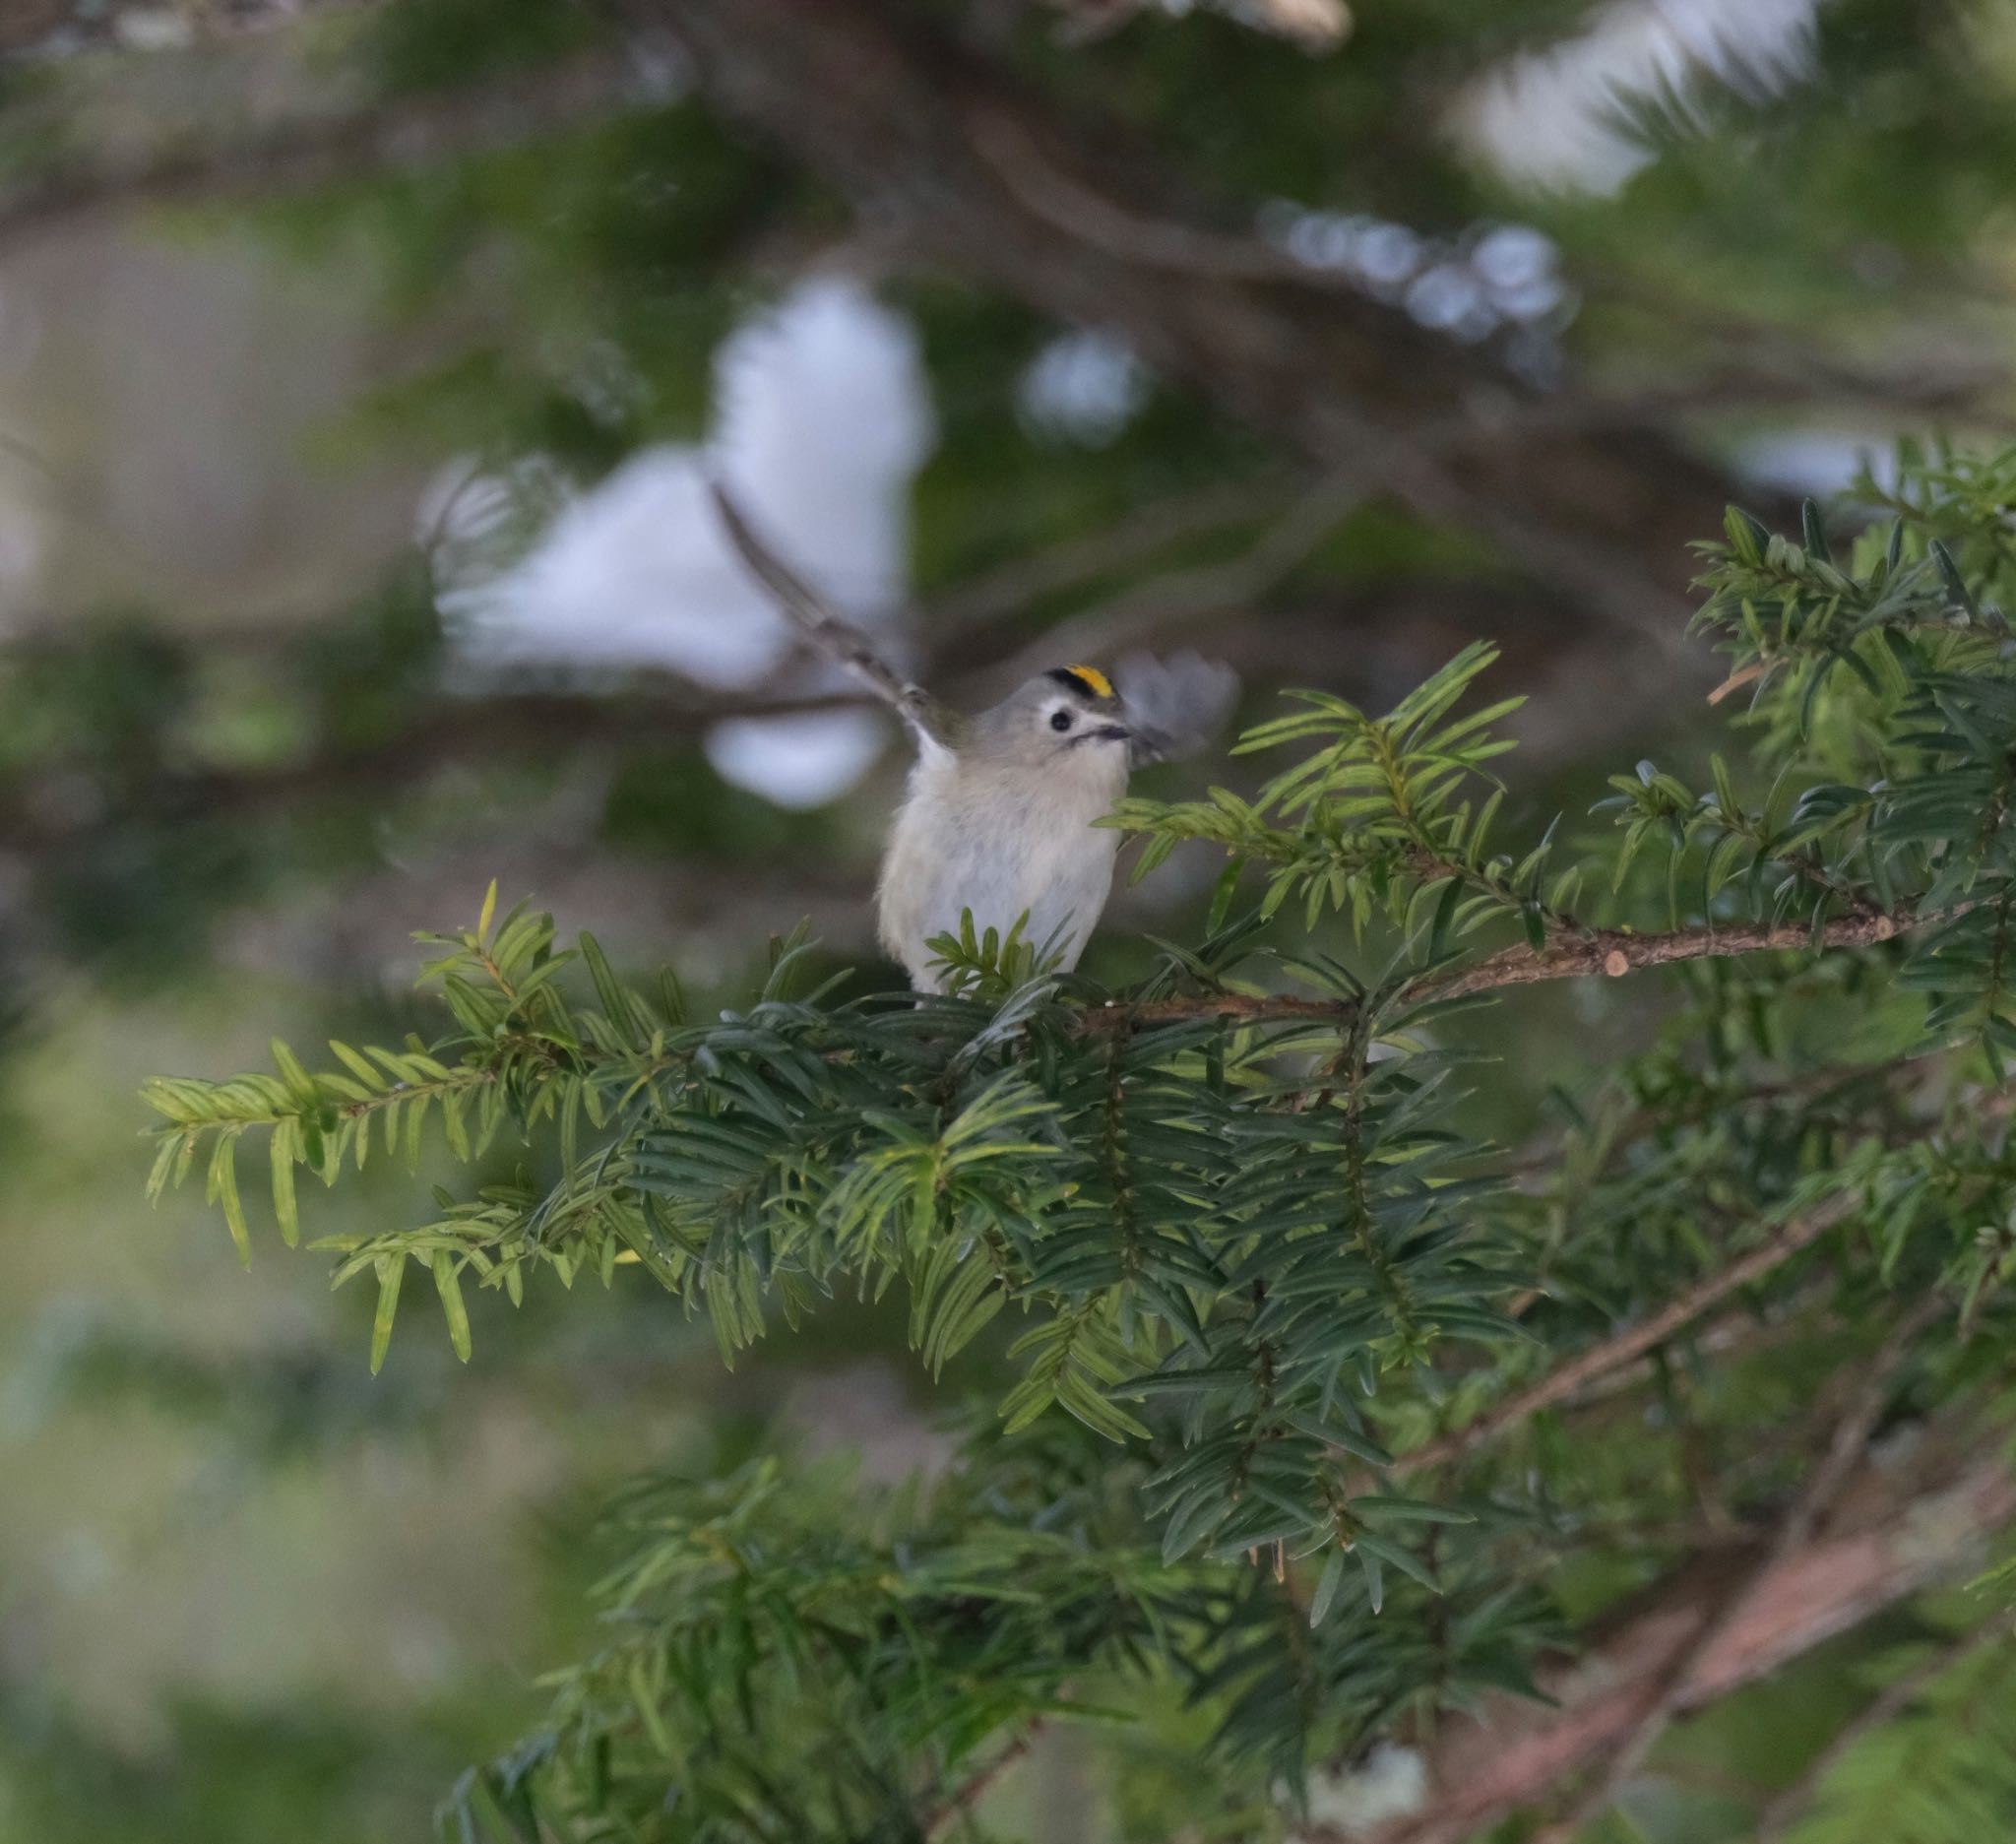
[(832, 635), (1174, 706)]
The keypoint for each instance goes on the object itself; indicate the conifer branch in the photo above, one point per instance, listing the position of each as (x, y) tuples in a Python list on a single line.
[(1223, 1261), (1614, 952), (1609, 952)]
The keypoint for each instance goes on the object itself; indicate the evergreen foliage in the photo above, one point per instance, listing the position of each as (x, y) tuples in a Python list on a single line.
[(1295, 1446), (1373, 399), (1928, 1757)]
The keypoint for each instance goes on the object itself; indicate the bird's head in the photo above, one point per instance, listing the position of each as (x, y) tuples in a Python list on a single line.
[(1076, 720), (1071, 716)]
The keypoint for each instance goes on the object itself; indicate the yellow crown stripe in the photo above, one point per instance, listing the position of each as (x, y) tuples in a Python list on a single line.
[(1101, 685)]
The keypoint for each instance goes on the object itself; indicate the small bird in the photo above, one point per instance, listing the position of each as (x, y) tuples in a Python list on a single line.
[(1000, 818)]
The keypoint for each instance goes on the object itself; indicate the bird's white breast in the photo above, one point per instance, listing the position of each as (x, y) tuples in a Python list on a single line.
[(1001, 841)]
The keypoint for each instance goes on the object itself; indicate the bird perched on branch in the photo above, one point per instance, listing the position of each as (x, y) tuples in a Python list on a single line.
[(1000, 821)]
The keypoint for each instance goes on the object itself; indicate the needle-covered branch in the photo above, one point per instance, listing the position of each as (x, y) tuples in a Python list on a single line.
[(1608, 952), (1278, 1358)]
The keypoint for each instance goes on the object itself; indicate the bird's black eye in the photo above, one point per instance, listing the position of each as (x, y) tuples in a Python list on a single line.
[(1060, 720)]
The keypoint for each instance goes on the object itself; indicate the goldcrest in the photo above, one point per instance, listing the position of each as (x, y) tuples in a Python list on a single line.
[(1000, 818)]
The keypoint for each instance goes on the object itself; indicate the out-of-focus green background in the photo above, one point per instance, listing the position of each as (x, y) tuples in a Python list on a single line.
[(353, 374)]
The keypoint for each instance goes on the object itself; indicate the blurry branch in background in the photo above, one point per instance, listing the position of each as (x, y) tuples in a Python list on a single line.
[(1345, 379), (1755, 362), (970, 609), (840, 642), (1087, 215), (177, 142), (969, 638), (449, 733), (1164, 606), (53, 31), (224, 124), (1576, 490)]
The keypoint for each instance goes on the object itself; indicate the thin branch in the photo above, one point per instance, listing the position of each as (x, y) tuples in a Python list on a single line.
[(1616, 952), (999, 594), (1182, 597), (1405, 463), (1737, 1332), (838, 639), (510, 728), (1022, 194), (1341, 376), (1085, 216), (968, 1792), (1610, 952), (1845, 1449), (648, 706)]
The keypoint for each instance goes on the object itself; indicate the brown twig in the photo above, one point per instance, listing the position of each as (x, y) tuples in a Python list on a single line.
[(1737, 1333), (1616, 952), (1611, 952), (970, 1791)]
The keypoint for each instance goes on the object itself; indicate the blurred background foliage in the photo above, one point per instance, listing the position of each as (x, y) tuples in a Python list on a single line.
[(349, 558)]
